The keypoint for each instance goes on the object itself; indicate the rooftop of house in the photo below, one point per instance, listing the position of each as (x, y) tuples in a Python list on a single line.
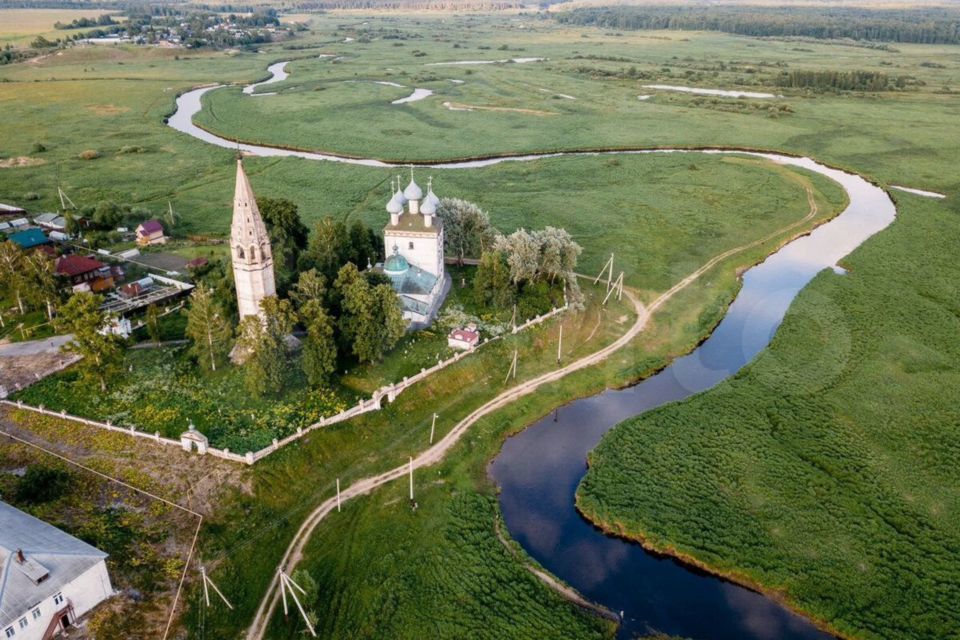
[(36, 561), (75, 265), (29, 238), (150, 227)]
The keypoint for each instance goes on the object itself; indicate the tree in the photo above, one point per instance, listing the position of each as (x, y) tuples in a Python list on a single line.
[(371, 318), (491, 284), (327, 247), (152, 322), (264, 339), (310, 286), (107, 214), (319, 349), (558, 253), (43, 280), (207, 328), (288, 235), (71, 226), (363, 249), (467, 231), (523, 255), (12, 273), (102, 352)]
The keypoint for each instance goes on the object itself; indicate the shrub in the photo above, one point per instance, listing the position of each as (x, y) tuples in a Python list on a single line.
[(31, 195), (131, 149), (42, 484), (89, 154), (39, 147)]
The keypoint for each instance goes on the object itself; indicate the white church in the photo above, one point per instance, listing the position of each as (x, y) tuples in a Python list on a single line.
[(412, 240)]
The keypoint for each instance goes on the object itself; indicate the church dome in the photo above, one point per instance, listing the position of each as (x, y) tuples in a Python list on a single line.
[(394, 206), (428, 207), (432, 198), (413, 191), (396, 265)]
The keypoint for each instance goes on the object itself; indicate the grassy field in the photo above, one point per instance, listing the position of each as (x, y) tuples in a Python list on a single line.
[(383, 570), (826, 470), (18, 27)]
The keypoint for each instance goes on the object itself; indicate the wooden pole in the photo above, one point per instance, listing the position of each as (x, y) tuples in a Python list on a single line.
[(206, 581), (610, 274), (411, 479), (206, 592), (338, 495), (296, 600), (608, 263), (560, 343), (283, 593), (433, 428)]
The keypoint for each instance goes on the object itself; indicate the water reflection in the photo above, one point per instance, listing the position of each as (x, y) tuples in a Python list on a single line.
[(539, 469)]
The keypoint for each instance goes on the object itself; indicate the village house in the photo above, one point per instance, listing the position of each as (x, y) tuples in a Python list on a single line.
[(84, 273), (29, 238), (48, 578), (51, 221), (150, 233), (464, 339), (10, 211)]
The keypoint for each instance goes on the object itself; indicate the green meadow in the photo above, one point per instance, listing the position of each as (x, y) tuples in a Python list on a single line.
[(860, 454), (826, 470)]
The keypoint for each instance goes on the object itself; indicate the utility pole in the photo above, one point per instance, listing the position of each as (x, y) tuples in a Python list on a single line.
[(560, 343), (338, 495), (411, 479), (433, 427)]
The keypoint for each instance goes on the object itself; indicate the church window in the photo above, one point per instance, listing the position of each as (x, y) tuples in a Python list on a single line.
[(253, 253), (411, 245), (240, 253)]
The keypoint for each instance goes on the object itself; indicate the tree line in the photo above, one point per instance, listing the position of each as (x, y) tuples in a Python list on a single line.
[(929, 25)]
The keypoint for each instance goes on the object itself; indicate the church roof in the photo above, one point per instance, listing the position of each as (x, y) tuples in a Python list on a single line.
[(395, 264), (247, 226), (52, 559), (414, 281), (413, 223), (413, 191)]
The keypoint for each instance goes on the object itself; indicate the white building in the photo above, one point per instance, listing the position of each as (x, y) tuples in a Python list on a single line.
[(48, 578), (413, 245), (250, 248)]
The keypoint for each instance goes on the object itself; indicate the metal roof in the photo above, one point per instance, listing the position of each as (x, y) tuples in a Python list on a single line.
[(56, 552)]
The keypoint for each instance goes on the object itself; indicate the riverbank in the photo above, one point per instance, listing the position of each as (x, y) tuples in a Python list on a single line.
[(828, 476)]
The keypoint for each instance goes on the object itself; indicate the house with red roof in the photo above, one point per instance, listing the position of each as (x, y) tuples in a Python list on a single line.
[(85, 272), (464, 339)]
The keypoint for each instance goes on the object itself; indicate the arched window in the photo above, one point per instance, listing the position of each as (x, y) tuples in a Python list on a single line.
[(239, 253), (253, 253), (411, 245)]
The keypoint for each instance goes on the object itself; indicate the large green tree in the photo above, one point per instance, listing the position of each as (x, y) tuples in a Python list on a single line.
[(102, 352), (491, 284), (288, 235), (319, 348), (328, 248), (263, 339), (13, 275), (371, 318), (467, 231), (207, 328)]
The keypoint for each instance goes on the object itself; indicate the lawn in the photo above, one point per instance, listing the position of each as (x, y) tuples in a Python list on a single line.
[(826, 470)]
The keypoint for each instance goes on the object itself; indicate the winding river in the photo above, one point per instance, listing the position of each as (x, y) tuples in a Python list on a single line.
[(539, 469)]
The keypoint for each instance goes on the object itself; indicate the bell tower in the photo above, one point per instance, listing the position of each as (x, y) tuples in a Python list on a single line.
[(250, 249)]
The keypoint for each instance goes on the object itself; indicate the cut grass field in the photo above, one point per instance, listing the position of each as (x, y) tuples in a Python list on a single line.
[(825, 471), (19, 27)]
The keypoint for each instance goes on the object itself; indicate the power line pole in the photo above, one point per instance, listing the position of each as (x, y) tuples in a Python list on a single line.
[(338, 495), (411, 479), (433, 427), (560, 343)]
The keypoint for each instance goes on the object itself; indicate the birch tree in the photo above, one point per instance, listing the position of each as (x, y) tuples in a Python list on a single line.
[(12, 273), (102, 352), (43, 277), (467, 231), (207, 328)]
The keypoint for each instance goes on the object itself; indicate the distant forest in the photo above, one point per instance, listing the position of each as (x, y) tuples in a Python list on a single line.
[(932, 25)]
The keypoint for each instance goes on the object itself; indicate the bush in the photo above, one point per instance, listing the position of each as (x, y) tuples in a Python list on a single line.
[(42, 484), (131, 149), (39, 147), (31, 195), (89, 154)]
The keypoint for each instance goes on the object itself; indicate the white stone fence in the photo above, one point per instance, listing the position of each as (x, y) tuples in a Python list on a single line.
[(192, 439)]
